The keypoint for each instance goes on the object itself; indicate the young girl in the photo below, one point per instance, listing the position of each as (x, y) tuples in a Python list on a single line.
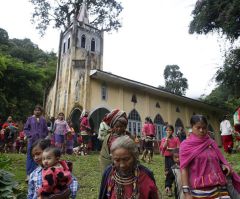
[(70, 139), (167, 145), (60, 128), (203, 167), (35, 180), (56, 175)]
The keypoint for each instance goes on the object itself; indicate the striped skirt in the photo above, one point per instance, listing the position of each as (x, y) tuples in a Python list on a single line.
[(212, 193)]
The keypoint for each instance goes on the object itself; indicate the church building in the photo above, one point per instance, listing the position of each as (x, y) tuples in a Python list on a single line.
[(82, 84)]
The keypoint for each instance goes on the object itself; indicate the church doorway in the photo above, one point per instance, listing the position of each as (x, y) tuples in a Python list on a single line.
[(74, 117), (96, 117)]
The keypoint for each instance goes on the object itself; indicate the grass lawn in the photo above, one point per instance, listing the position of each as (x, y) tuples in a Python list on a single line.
[(87, 171)]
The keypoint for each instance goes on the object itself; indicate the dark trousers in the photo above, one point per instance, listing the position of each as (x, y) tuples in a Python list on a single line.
[(168, 164), (31, 164)]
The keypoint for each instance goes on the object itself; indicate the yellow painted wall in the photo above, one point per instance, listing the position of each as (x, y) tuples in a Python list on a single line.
[(120, 97)]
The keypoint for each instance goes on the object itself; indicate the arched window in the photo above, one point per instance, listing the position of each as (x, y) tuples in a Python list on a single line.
[(159, 123), (158, 105), (64, 47), (68, 44), (178, 124), (134, 122), (93, 45), (134, 98), (83, 41), (104, 92), (177, 109), (77, 91)]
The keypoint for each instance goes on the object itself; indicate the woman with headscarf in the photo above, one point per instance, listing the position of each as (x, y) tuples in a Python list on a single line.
[(117, 121), (204, 169), (126, 178)]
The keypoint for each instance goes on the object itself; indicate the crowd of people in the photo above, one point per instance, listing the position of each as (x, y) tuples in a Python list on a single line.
[(194, 164)]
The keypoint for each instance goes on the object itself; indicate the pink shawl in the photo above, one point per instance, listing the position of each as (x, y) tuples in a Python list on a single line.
[(193, 146)]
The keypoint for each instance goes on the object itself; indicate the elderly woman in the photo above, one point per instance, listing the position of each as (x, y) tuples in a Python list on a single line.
[(126, 178), (117, 121)]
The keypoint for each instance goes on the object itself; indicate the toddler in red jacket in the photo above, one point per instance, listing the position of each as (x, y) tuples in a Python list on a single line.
[(56, 175)]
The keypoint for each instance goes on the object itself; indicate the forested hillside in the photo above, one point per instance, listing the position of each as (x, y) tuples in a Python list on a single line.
[(25, 73)]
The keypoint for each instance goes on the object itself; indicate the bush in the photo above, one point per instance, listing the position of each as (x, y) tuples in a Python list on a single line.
[(9, 187)]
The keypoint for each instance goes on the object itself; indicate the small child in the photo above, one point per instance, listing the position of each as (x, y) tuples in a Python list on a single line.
[(70, 139), (175, 175), (60, 129), (56, 175)]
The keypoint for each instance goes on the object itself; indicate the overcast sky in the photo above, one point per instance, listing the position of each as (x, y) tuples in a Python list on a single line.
[(154, 34)]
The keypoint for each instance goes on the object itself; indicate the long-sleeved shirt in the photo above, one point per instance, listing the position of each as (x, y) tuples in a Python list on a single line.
[(61, 127), (35, 182), (35, 128), (173, 142)]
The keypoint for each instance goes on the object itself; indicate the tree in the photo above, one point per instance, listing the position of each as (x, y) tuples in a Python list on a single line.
[(25, 72), (174, 80), (103, 14), (3, 36), (222, 16), (229, 74)]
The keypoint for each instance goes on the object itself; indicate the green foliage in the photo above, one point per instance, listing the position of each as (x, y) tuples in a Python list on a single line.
[(174, 80), (217, 97), (227, 94), (104, 14), (216, 15), (222, 16), (9, 187), (25, 72), (3, 36), (4, 161), (229, 74)]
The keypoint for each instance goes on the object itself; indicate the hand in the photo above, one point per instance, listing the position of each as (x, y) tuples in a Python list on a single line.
[(170, 149), (226, 169)]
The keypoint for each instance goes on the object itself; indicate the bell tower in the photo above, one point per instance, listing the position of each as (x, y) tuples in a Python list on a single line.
[(80, 50)]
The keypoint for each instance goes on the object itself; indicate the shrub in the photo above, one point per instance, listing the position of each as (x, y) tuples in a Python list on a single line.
[(9, 187)]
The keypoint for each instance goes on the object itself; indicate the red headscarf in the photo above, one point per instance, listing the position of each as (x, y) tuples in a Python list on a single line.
[(114, 116)]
